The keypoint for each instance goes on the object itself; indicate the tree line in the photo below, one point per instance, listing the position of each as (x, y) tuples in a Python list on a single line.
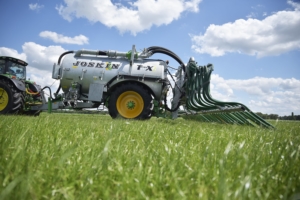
[(275, 116)]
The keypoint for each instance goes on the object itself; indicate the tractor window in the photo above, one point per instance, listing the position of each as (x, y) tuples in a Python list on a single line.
[(16, 70), (2, 66)]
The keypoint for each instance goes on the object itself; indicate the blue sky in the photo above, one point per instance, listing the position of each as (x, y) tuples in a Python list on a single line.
[(254, 45)]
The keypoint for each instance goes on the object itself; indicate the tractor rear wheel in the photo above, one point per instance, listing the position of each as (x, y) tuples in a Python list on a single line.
[(11, 101), (130, 101)]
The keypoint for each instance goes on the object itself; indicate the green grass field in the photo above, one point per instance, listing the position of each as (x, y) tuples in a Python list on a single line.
[(81, 156)]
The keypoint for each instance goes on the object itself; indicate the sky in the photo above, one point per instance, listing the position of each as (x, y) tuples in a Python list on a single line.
[(253, 45)]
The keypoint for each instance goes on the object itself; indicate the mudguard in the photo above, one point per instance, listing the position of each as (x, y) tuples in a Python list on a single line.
[(19, 84)]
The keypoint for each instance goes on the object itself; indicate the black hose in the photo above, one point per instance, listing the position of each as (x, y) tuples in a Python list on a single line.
[(58, 62), (49, 91), (102, 53), (58, 89), (60, 57), (157, 49), (169, 109)]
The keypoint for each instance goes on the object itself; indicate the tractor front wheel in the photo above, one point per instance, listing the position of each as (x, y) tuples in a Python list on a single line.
[(130, 101), (10, 99)]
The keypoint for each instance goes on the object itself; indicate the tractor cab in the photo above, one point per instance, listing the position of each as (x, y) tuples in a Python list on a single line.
[(12, 68)]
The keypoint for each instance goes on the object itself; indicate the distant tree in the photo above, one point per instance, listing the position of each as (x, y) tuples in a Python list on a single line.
[(273, 116)]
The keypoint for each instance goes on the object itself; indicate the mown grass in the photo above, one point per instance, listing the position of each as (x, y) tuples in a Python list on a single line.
[(73, 156)]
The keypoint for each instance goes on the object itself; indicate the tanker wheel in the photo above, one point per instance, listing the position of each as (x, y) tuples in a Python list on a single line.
[(10, 99), (130, 101)]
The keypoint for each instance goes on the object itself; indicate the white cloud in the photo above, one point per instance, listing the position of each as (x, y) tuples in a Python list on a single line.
[(295, 5), (42, 57), (138, 16), (274, 35), (40, 61), (266, 95), (192, 5), (12, 53), (35, 6), (58, 38)]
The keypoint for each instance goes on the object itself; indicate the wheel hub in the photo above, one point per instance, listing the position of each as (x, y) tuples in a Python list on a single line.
[(130, 105)]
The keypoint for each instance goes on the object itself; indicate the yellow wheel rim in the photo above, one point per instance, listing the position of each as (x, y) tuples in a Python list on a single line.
[(130, 104), (3, 99)]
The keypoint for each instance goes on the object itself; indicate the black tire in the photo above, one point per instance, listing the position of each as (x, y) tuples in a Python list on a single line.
[(130, 101), (11, 101)]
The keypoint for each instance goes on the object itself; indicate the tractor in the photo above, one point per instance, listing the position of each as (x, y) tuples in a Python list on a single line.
[(17, 95)]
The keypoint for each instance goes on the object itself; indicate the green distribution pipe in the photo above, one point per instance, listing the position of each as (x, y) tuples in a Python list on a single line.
[(199, 99)]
